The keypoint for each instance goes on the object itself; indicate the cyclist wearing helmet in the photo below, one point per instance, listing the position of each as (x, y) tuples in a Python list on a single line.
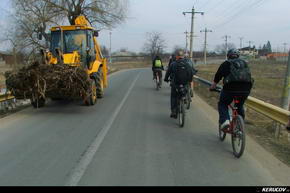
[(180, 72), (237, 81)]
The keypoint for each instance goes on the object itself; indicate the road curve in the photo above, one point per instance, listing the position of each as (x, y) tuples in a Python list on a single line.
[(127, 138)]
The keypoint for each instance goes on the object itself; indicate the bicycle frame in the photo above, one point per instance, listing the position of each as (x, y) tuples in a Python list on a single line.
[(236, 128), (234, 111)]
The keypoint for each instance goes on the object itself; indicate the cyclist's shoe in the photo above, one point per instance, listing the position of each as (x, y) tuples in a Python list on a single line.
[(173, 115), (225, 125)]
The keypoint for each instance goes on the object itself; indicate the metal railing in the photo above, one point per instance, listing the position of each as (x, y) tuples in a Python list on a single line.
[(271, 111)]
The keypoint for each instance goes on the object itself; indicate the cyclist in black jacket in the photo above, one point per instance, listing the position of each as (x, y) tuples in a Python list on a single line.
[(231, 89), (171, 73)]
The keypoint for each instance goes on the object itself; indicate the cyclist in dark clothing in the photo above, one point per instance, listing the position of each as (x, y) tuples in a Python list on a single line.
[(230, 89), (172, 59), (171, 72), (157, 67)]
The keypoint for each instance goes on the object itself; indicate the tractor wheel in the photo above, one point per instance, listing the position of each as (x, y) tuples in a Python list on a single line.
[(92, 99), (100, 84)]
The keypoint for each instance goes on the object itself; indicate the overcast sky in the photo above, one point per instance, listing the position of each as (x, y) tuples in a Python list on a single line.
[(254, 20)]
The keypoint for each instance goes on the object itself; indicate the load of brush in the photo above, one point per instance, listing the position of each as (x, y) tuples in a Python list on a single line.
[(49, 81)]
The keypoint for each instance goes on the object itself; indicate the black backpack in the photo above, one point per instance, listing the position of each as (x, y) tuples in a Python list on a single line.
[(239, 72), (182, 73)]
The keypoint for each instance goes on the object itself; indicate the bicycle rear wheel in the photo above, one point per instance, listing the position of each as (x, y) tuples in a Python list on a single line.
[(157, 81), (188, 100), (181, 113), (238, 137)]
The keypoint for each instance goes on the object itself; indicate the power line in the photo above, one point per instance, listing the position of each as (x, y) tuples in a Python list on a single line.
[(215, 5), (230, 9), (235, 16), (205, 3)]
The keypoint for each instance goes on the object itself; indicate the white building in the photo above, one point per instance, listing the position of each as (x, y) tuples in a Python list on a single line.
[(249, 52)]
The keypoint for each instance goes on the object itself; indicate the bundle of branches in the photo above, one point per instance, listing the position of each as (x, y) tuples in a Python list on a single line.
[(52, 81)]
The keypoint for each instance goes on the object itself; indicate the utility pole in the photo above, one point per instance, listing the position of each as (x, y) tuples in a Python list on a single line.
[(226, 40), (286, 90), (285, 44), (241, 41), (250, 42), (205, 42), (110, 51), (186, 45), (192, 28)]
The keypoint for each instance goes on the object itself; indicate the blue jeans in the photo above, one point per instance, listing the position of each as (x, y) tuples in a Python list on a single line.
[(226, 99)]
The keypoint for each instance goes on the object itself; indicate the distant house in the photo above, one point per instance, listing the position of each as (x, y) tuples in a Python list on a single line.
[(123, 53), (6, 58), (249, 52)]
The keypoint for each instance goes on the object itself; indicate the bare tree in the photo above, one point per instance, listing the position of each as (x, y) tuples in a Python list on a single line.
[(106, 13), (155, 44), (14, 40), (33, 18)]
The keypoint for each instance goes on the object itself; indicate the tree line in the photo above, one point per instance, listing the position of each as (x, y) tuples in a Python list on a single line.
[(31, 19)]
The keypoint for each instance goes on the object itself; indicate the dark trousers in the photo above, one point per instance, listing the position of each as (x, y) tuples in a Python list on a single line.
[(173, 98), (226, 99), (159, 71)]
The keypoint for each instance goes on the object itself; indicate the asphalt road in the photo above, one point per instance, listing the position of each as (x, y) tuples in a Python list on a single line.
[(127, 138)]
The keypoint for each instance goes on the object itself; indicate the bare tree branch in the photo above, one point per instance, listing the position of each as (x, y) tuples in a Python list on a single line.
[(155, 44)]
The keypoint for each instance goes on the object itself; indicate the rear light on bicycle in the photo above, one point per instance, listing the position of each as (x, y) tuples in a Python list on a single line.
[(237, 101)]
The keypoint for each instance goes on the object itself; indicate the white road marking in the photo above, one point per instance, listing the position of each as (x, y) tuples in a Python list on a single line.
[(86, 159)]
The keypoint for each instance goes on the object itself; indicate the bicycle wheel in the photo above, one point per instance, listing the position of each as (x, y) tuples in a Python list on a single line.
[(188, 100), (181, 114), (238, 137), (222, 135), (157, 82)]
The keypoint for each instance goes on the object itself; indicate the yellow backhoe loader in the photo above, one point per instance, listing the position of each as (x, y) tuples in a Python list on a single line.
[(77, 45)]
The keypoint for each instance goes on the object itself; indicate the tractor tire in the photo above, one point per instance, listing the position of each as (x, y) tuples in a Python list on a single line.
[(100, 84), (92, 99)]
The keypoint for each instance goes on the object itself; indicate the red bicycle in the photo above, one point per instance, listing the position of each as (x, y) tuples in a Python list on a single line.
[(236, 128)]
